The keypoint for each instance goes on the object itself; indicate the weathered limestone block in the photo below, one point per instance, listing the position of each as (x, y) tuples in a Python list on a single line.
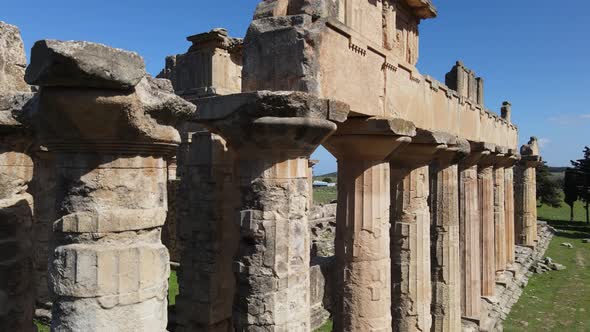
[(273, 135), (17, 289), (446, 268), (499, 215), (411, 284), (363, 301), (525, 179), (12, 60), (487, 232), (83, 64), (108, 267), (470, 241), (209, 234)]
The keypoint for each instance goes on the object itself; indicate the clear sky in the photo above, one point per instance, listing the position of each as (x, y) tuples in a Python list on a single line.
[(535, 54)]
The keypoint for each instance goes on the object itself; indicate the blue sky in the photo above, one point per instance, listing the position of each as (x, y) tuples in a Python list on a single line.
[(535, 54)]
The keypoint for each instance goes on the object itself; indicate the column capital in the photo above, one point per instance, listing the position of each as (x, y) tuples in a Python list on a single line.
[(426, 147), (530, 161), (508, 159), (82, 109), (369, 138), (282, 124), (454, 153), (478, 151)]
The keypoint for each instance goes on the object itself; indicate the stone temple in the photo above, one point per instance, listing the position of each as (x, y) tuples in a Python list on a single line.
[(108, 177)]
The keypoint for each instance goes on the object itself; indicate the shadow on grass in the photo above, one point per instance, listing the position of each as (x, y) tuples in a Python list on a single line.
[(569, 229)]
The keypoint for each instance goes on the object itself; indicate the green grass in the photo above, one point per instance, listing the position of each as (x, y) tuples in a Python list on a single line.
[(562, 213), (324, 195), (558, 300), (326, 327), (41, 327), (172, 288)]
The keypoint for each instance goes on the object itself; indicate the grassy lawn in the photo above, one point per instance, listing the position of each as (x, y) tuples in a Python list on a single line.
[(172, 288), (562, 213), (41, 327), (558, 301), (324, 195), (326, 327)]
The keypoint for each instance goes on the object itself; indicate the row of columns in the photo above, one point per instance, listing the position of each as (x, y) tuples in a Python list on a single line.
[(415, 208), (411, 242)]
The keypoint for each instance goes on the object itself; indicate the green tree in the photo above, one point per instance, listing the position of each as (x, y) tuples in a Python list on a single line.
[(327, 180), (583, 168), (570, 189), (547, 188)]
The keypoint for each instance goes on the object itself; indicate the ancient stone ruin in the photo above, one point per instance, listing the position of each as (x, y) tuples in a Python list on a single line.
[(109, 176)]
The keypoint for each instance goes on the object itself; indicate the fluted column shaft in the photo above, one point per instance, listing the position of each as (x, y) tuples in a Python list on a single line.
[(363, 299), (410, 249), (526, 202), (362, 247), (470, 243), (487, 231), (207, 228), (509, 212), (446, 269), (272, 263), (445, 252), (499, 219)]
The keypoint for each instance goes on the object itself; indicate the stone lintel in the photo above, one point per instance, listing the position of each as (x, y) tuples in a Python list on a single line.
[(216, 38), (282, 122)]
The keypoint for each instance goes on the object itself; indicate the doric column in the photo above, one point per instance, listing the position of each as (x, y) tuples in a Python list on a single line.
[(499, 214), (470, 237), (17, 286), (273, 134), (525, 179), (363, 302), (210, 236), (508, 164), (411, 285), (485, 178), (105, 120), (446, 267)]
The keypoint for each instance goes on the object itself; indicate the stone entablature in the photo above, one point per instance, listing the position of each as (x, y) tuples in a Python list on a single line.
[(357, 68)]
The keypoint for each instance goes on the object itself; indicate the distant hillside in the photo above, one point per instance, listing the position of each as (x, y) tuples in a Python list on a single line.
[(329, 175), (557, 169)]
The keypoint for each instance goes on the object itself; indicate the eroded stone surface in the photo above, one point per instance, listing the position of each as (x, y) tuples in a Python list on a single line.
[(17, 288), (12, 60), (83, 64)]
